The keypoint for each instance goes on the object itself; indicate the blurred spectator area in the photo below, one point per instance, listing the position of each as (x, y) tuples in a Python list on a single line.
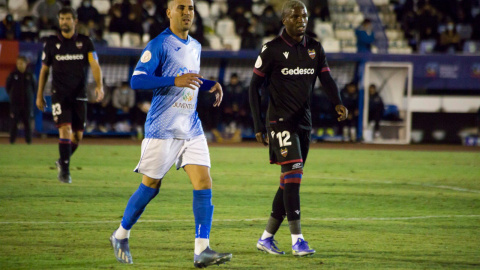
[(409, 25)]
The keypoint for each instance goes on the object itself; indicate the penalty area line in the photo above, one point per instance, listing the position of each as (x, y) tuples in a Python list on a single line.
[(244, 220)]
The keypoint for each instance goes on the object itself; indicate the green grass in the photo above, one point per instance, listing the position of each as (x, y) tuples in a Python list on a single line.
[(358, 210)]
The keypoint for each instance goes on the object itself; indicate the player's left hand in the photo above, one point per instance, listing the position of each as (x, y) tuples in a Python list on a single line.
[(217, 89), (99, 93), (342, 111)]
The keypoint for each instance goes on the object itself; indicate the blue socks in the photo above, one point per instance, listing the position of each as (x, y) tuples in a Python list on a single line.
[(136, 205), (203, 212)]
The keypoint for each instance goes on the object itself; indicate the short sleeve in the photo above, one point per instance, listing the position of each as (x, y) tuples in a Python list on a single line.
[(47, 56), (89, 45), (264, 63), (152, 57)]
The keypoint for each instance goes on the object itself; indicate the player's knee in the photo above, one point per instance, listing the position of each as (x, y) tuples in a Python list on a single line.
[(65, 132), (204, 182), (151, 183)]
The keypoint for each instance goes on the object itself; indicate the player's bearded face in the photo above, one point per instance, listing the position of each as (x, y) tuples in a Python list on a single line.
[(66, 22), (296, 22), (181, 14)]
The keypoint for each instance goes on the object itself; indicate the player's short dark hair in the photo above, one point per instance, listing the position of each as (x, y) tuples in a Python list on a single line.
[(67, 10), (22, 57), (291, 5)]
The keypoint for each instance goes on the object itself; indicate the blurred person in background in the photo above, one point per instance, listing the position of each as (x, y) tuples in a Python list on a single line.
[(427, 22), (271, 21), (350, 100), (449, 40), (252, 38), (20, 87), (46, 13), (365, 36), (376, 109), (29, 30), (235, 109), (87, 12), (123, 100), (9, 28)]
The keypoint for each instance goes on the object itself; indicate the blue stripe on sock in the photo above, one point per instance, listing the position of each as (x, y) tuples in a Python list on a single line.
[(136, 205), (295, 175), (203, 212)]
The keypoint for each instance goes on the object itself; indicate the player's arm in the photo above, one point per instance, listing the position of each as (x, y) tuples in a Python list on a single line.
[(8, 85), (97, 75), (255, 106), (42, 80), (331, 88)]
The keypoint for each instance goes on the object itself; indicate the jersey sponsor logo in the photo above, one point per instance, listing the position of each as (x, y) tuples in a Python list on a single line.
[(187, 95), (264, 48), (298, 71), (312, 53), (284, 152), (286, 55), (146, 56), (184, 70), (182, 105), (79, 44), (68, 57), (297, 166), (258, 63)]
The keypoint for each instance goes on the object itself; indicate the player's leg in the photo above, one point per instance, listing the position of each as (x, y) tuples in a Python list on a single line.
[(156, 159), (26, 117), (293, 174), (13, 125), (79, 119), (195, 159)]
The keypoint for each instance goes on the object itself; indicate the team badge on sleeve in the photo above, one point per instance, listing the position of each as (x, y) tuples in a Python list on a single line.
[(312, 53), (147, 55), (258, 63)]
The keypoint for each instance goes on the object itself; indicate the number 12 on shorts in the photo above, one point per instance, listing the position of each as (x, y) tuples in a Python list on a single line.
[(283, 138)]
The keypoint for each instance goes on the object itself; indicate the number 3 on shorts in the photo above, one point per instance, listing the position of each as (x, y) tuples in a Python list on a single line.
[(56, 109), (283, 138)]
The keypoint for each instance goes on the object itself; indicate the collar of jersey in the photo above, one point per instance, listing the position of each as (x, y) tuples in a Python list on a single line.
[(290, 41), (184, 41), (62, 38)]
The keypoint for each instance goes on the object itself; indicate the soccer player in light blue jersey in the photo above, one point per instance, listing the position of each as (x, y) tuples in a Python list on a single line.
[(170, 64)]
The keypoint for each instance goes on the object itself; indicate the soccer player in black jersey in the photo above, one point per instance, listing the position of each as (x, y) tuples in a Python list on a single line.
[(69, 54), (289, 64)]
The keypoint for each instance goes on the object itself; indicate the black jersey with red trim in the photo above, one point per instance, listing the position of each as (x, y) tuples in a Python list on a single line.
[(69, 61), (291, 68)]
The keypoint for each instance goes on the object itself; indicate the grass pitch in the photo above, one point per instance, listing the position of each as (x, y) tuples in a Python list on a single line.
[(361, 209)]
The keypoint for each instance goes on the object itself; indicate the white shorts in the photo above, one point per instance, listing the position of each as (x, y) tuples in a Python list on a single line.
[(159, 155)]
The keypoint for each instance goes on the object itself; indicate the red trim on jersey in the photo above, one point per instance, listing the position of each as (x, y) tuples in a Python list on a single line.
[(325, 69), (284, 39), (258, 72), (289, 161), (63, 124)]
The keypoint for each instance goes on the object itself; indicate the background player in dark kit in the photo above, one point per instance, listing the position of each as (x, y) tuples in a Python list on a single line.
[(290, 64), (21, 89), (69, 54)]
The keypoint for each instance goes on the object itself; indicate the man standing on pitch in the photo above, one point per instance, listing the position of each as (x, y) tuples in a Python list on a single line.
[(69, 54), (170, 64), (291, 62)]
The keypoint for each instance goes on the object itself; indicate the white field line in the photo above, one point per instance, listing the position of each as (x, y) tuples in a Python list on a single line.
[(374, 181), (244, 220), (406, 183)]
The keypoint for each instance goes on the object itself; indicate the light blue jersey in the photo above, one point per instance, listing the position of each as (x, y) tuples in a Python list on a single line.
[(173, 111)]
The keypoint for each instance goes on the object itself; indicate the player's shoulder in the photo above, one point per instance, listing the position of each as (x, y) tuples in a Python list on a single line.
[(82, 37), (195, 42), (311, 42), (51, 39), (271, 45)]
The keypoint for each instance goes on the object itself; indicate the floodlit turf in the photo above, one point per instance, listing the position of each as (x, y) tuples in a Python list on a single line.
[(360, 210)]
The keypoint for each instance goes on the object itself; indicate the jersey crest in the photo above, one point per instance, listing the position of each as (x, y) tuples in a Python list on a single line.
[(312, 53), (79, 44)]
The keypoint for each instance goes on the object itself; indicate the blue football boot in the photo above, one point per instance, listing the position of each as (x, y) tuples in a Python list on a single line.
[(301, 248), (269, 245)]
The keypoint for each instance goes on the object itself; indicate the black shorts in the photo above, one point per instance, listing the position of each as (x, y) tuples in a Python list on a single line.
[(69, 111), (288, 147)]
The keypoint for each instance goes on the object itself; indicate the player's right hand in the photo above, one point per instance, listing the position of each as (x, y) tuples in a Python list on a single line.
[(41, 103), (262, 137), (190, 80)]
